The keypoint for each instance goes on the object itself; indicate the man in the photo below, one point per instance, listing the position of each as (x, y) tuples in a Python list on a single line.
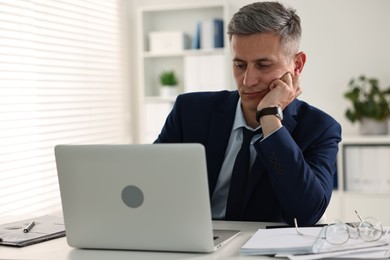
[(292, 162)]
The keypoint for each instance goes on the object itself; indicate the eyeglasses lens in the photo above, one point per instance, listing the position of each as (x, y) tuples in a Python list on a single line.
[(370, 229), (337, 233)]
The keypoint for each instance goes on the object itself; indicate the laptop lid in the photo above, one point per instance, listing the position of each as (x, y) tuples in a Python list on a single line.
[(137, 197)]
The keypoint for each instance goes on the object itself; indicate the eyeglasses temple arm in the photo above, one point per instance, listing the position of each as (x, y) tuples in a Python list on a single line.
[(357, 214), (296, 227)]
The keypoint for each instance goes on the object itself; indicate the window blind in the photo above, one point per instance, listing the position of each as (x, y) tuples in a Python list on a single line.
[(62, 81)]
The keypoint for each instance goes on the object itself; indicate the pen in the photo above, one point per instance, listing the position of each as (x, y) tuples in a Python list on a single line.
[(29, 227)]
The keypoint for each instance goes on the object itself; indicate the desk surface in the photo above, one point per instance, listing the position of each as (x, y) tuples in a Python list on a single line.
[(58, 249)]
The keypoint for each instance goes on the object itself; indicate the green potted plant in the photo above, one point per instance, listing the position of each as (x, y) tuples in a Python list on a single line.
[(168, 81), (370, 105)]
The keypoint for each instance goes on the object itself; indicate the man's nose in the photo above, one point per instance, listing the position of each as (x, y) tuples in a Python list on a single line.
[(251, 78)]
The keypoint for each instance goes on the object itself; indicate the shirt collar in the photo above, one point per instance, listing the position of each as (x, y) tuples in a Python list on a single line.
[(239, 119)]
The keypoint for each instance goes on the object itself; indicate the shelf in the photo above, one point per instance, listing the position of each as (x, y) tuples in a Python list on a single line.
[(181, 7), (184, 53), (367, 193), (157, 99), (366, 139)]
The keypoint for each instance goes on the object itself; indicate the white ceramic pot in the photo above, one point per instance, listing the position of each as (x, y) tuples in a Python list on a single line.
[(370, 126), (168, 91)]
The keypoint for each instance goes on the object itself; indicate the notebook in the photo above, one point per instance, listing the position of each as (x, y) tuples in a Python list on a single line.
[(31, 231), (137, 197)]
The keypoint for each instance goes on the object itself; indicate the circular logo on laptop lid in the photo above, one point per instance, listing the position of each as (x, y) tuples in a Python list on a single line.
[(132, 196)]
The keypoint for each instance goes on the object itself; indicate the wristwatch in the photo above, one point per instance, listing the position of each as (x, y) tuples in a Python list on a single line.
[(276, 110)]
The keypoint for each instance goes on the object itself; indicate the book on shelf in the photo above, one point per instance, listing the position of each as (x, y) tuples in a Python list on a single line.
[(211, 34), (196, 38)]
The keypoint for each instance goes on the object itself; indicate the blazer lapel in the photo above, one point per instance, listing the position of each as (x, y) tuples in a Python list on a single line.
[(289, 114), (220, 129)]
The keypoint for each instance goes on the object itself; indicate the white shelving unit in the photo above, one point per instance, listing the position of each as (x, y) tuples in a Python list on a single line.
[(374, 164), (153, 109)]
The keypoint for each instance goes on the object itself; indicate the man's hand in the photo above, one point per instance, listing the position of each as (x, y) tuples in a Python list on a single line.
[(282, 91)]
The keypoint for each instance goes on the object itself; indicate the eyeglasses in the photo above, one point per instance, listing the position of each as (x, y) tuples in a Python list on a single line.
[(338, 233)]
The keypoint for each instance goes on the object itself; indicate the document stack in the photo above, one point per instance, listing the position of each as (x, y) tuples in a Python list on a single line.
[(286, 242)]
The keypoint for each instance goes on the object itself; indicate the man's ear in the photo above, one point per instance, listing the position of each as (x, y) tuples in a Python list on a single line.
[(300, 60)]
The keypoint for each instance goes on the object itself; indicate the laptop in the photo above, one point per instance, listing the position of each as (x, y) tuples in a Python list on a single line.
[(137, 197)]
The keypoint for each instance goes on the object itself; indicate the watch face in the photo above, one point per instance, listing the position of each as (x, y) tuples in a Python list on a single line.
[(280, 113)]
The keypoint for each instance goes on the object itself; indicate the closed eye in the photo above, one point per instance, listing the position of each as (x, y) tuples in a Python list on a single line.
[(239, 64), (261, 65)]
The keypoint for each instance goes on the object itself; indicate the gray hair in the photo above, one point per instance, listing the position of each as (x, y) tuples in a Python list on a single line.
[(269, 17)]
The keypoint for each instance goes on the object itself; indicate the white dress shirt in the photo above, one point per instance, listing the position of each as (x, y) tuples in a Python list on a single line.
[(221, 191)]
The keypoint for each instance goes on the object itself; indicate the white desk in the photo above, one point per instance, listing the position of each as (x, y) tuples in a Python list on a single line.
[(58, 249)]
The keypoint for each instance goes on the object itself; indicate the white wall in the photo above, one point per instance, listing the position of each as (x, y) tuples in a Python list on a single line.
[(342, 39)]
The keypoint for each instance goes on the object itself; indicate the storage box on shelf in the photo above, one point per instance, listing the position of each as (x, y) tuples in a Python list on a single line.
[(168, 42)]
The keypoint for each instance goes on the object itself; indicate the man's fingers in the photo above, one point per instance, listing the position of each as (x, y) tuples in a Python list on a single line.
[(296, 82), (287, 78), (289, 89)]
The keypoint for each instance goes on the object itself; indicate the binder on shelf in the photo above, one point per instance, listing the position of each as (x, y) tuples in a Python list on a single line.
[(352, 166), (196, 39), (204, 73), (367, 168), (211, 35)]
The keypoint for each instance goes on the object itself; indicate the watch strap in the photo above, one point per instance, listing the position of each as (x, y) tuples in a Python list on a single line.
[(266, 111)]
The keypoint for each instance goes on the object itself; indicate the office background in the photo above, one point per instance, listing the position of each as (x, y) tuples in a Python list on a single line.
[(342, 39)]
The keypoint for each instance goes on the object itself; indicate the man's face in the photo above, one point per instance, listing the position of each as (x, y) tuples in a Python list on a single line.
[(257, 61)]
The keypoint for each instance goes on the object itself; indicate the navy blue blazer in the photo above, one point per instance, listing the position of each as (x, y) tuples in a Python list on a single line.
[(292, 176)]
